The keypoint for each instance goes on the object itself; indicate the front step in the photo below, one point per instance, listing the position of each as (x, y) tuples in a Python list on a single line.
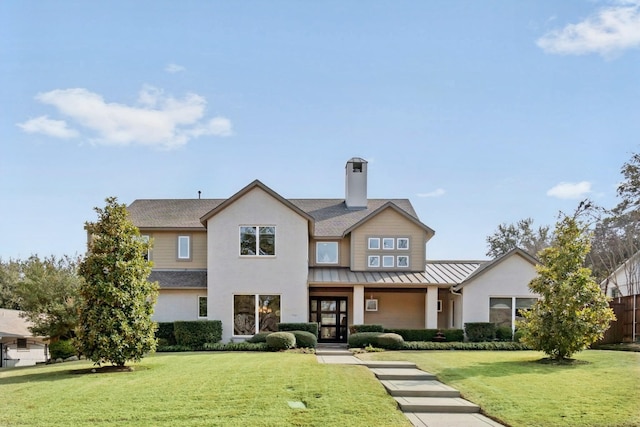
[(333, 352), (387, 364), (419, 388), (452, 405), (402, 374)]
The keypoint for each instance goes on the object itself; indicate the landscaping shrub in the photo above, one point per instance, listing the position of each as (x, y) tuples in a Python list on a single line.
[(62, 349), (480, 331), (194, 334), (389, 341), (309, 327), (172, 348), (503, 333), (517, 335), (428, 334), (354, 329), (305, 339), (165, 332), (493, 345), (281, 341), (363, 339), (259, 337), (236, 346)]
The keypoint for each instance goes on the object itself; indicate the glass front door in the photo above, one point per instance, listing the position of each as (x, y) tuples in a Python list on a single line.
[(331, 316)]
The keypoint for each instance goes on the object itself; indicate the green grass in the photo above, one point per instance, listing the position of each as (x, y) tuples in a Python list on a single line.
[(601, 389), (198, 389)]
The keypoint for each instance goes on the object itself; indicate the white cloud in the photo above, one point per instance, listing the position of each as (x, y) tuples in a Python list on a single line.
[(44, 125), (610, 30), (568, 190), (436, 193), (174, 68), (158, 120)]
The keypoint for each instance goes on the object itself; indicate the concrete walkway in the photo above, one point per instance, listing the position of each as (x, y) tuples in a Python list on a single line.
[(420, 396)]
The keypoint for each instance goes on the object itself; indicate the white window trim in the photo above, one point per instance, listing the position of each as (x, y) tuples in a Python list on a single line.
[(257, 227), (385, 240), (371, 240), (337, 261), (386, 258), (398, 243), (370, 258), (371, 305), (398, 261), (188, 239)]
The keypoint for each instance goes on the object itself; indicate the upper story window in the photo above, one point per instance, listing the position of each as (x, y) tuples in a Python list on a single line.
[(327, 252), (257, 240), (388, 253), (184, 247), (388, 243), (145, 239), (374, 243), (402, 243)]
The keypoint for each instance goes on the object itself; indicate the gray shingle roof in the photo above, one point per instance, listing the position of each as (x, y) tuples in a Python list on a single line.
[(179, 279), (170, 213)]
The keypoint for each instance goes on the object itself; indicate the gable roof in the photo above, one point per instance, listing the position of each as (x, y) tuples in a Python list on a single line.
[(491, 264), (170, 213), (12, 325), (255, 184)]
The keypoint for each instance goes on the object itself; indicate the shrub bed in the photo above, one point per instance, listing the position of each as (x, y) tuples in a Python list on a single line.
[(259, 337), (428, 334), (503, 333), (354, 329), (281, 341), (389, 341), (480, 331), (165, 332), (494, 345), (305, 339), (194, 334), (363, 339), (309, 327)]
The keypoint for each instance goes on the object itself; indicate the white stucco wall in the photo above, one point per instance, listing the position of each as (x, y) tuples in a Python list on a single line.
[(284, 274), (509, 278), (14, 357), (180, 304)]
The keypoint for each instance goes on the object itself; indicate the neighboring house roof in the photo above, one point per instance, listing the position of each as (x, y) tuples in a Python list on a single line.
[(436, 273), (12, 325), (329, 218), (179, 279), (489, 265)]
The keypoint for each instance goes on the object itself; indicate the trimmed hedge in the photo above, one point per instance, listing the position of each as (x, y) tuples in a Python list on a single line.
[(165, 332), (305, 339), (259, 337), (309, 327), (236, 346), (195, 334), (428, 334), (480, 331), (62, 349), (503, 333), (363, 339), (355, 329), (281, 341), (494, 345), (389, 341)]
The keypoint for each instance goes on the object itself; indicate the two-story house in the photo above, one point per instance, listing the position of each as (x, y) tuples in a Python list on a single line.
[(255, 259)]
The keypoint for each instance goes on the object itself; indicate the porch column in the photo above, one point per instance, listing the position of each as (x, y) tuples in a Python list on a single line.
[(358, 305), (431, 308)]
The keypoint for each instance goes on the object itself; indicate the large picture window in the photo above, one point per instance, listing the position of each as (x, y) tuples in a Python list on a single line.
[(327, 252), (505, 311), (257, 240), (255, 313)]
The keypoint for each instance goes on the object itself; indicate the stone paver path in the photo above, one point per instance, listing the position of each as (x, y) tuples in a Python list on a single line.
[(422, 398)]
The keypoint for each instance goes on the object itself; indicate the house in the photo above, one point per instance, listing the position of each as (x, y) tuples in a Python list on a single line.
[(256, 259), (17, 345), (625, 280)]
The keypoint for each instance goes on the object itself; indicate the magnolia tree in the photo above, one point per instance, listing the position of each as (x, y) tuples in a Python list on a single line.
[(117, 301), (573, 312)]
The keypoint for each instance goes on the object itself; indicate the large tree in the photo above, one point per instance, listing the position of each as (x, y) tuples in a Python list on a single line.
[(47, 290), (521, 235), (9, 277), (573, 312), (117, 300)]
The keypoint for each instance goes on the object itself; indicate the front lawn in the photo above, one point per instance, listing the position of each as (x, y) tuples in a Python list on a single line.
[(199, 389), (601, 389)]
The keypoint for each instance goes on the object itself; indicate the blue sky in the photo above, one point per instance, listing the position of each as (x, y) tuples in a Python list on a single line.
[(479, 112)]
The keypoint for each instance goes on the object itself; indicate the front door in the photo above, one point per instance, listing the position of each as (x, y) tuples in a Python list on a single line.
[(330, 313)]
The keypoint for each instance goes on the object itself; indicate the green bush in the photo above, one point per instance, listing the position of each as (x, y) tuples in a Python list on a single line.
[(503, 333), (517, 336), (309, 327), (236, 346), (172, 348), (62, 349), (165, 332), (363, 339), (389, 341), (480, 331), (194, 334), (281, 341), (305, 339), (428, 334), (354, 329), (259, 337), (494, 345)]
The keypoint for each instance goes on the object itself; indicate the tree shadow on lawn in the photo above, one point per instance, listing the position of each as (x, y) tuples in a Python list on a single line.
[(33, 374), (511, 368)]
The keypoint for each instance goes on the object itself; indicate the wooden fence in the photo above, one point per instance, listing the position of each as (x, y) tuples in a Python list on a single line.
[(622, 330)]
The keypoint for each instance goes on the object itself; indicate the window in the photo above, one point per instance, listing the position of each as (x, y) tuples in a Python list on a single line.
[(403, 261), (249, 308), (257, 241), (387, 243), (22, 343), (202, 306), (505, 311), (184, 247), (402, 243), (371, 305), (327, 252), (145, 239), (374, 243), (374, 261), (388, 261)]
